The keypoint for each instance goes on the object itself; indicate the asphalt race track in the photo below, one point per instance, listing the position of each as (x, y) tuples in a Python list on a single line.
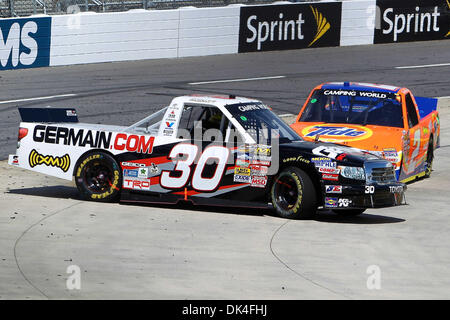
[(184, 252)]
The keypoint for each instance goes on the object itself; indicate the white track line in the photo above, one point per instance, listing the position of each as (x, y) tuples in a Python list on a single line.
[(39, 98), (236, 80), (424, 66)]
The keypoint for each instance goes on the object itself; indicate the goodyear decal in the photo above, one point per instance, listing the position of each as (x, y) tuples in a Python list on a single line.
[(329, 132), (36, 159)]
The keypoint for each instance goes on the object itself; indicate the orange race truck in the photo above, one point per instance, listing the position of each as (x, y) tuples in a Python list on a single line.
[(387, 121)]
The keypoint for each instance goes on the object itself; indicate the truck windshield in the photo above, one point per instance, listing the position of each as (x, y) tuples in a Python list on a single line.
[(354, 107), (259, 121)]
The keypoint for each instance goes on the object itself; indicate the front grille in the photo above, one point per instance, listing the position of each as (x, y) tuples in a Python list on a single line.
[(380, 172)]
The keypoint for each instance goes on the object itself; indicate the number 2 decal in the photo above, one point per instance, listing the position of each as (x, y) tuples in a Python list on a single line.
[(200, 183), (412, 163)]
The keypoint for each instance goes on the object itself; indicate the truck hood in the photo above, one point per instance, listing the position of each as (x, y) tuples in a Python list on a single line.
[(385, 142)]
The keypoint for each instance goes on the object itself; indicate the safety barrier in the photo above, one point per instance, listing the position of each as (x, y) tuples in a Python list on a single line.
[(150, 34)]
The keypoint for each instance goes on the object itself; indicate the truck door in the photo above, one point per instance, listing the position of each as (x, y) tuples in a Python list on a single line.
[(414, 145)]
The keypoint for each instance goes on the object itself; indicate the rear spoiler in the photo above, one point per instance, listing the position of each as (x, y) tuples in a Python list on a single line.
[(48, 114), (426, 105)]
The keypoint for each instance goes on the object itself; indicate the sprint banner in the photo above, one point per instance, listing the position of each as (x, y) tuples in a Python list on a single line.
[(296, 26), (414, 20), (24, 43)]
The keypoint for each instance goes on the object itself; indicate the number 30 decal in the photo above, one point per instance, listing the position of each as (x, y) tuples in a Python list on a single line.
[(184, 166)]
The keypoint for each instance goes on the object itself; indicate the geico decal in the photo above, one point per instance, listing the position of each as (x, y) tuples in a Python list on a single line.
[(93, 139), (136, 184), (17, 39), (410, 22), (274, 30), (36, 159)]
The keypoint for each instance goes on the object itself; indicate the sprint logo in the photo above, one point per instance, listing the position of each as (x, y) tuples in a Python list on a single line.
[(36, 159), (295, 26), (322, 25)]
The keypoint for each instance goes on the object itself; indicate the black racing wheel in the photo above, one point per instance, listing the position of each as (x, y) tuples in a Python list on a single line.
[(429, 159), (98, 177), (293, 194)]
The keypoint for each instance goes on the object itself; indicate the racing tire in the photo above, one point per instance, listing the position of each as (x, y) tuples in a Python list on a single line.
[(98, 177), (293, 194), (429, 159), (349, 212)]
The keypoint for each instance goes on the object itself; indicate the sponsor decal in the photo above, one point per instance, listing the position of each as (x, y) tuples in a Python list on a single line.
[(258, 170), (168, 132), (391, 155), (251, 107), (333, 189), (242, 163), (331, 202), (260, 162), (323, 162), (241, 178), (295, 26), (344, 203), (130, 173), (172, 115), (169, 124), (332, 177), (395, 189), (243, 156), (357, 93), (132, 164), (329, 170), (36, 159), (259, 182), (25, 43), (137, 184), (413, 20), (296, 159), (143, 173), (264, 151), (93, 139), (154, 169), (71, 113), (328, 132), (242, 171), (15, 160)]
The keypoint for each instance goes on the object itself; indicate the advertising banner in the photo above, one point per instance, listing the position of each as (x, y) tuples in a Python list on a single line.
[(296, 26)]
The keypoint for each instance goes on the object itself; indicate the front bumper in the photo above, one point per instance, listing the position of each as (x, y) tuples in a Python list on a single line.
[(366, 196)]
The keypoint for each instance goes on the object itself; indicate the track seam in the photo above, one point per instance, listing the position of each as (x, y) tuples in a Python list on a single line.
[(20, 238), (296, 272)]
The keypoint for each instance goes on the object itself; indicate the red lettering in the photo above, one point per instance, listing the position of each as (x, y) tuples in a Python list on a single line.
[(134, 143), (118, 146), (132, 148), (146, 147)]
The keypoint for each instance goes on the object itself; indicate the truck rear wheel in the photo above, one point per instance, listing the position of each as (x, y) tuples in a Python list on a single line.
[(293, 194), (98, 177)]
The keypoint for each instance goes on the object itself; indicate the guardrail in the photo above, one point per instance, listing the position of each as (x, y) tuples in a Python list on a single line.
[(12, 8)]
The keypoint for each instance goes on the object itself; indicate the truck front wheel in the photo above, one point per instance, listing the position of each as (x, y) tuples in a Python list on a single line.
[(293, 194)]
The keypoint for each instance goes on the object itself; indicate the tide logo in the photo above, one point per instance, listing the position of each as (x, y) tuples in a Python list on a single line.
[(332, 133), (36, 159)]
